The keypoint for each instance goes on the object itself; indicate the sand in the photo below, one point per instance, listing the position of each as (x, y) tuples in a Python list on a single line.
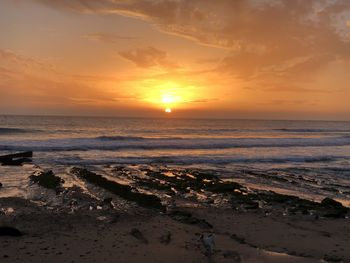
[(106, 236)]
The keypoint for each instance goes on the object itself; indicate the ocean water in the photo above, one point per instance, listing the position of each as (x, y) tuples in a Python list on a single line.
[(306, 158)]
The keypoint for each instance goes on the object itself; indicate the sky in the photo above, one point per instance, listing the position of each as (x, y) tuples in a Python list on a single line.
[(256, 59)]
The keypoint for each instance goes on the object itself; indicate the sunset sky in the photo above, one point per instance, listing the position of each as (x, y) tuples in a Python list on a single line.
[(273, 59)]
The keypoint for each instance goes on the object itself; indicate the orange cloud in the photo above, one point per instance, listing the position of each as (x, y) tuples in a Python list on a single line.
[(108, 38), (262, 35), (148, 57)]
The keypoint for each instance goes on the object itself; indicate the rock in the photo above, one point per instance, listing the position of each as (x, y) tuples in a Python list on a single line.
[(16, 162), (138, 235), (124, 191), (188, 218), (28, 154), (47, 179), (0, 185), (328, 202), (166, 238), (107, 203), (252, 205), (208, 243), (333, 259), (17, 158), (332, 208), (247, 200), (10, 231), (327, 208), (200, 176), (153, 184), (224, 187)]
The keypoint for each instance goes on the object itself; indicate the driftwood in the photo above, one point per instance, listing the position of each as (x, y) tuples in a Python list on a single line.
[(17, 158)]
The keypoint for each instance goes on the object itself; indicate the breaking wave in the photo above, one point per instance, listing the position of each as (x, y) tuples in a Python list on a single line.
[(113, 143)]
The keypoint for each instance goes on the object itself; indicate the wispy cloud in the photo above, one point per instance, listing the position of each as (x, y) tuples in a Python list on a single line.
[(8, 56), (108, 38), (148, 57)]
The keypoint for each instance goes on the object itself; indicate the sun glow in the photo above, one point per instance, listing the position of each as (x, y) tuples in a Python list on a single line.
[(168, 99), (169, 95)]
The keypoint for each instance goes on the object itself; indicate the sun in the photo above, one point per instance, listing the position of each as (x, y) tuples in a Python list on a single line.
[(168, 95), (169, 100)]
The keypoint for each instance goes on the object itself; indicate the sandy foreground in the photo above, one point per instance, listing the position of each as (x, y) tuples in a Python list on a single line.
[(55, 229), (105, 236)]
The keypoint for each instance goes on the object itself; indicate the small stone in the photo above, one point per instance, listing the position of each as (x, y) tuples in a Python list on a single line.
[(138, 235), (166, 238), (208, 243)]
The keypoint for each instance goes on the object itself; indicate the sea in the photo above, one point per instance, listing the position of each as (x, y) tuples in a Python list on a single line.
[(304, 158)]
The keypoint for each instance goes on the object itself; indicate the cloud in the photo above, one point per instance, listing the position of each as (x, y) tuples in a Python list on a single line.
[(265, 38), (203, 100), (108, 38), (279, 102), (94, 78), (208, 60), (7, 56), (6, 71), (148, 57), (26, 81)]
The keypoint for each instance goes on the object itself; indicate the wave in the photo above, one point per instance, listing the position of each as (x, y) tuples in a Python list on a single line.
[(237, 130), (143, 143), (135, 138), (311, 130), (13, 130), (227, 130), (119, 138), (191, 159)]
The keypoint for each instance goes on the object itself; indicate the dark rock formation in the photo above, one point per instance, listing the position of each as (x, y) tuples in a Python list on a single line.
[(47, 179), (124, 191), (17, 158), (10, 231)]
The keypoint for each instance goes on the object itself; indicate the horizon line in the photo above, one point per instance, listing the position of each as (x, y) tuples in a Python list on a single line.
[(165, 118)]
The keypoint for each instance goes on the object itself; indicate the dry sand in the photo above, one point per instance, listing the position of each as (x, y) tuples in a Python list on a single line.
[(106, 236)]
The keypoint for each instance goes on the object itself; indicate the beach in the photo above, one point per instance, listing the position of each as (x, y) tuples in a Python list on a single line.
[(175, 131), (200, 219), (157, 190)]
